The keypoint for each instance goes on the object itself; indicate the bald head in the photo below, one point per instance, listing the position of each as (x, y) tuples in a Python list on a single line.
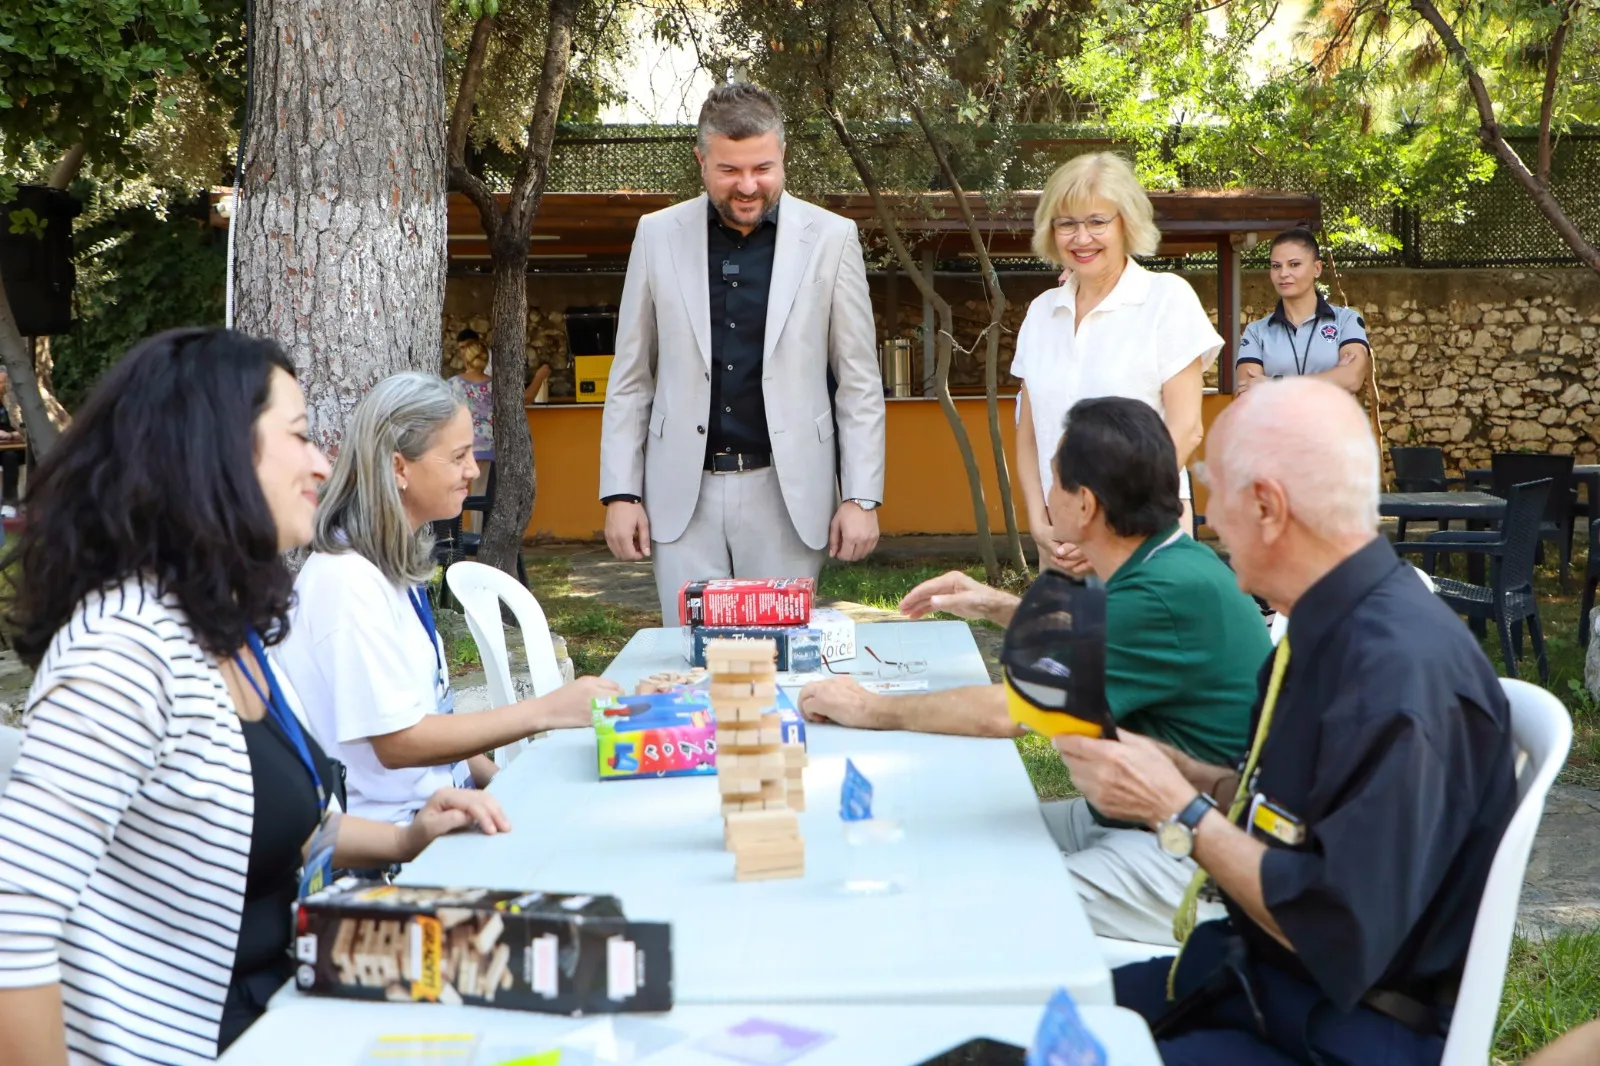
[(1310, 437)]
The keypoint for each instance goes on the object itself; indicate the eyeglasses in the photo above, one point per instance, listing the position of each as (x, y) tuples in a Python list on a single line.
[(887, 669), (1068, 227)]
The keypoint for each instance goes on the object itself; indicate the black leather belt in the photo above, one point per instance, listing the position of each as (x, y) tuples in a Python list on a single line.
[(735, 462)]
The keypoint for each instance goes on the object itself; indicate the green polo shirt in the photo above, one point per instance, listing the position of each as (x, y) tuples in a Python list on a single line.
[(1183, 648)]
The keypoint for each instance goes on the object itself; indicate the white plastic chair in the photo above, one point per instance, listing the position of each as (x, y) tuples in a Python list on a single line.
[(10, 747), (1280, 621), (480, 590), (1542, 731)]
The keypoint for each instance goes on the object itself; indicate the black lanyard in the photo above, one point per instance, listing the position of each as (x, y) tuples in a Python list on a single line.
[(1302, 359)]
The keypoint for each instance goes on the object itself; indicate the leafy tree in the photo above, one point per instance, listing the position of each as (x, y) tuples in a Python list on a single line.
[(529, 48), (103, 81)]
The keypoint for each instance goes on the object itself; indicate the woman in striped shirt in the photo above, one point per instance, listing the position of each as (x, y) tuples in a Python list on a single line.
[(152, 833)]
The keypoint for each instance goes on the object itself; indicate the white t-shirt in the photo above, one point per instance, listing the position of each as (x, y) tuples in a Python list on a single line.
[(363, 666), (1147, 330)]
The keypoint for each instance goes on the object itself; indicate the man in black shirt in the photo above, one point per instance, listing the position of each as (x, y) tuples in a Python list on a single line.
[(1379, 781), (744, 420)]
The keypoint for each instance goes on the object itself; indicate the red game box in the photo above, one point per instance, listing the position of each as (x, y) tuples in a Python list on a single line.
[(773, 601)]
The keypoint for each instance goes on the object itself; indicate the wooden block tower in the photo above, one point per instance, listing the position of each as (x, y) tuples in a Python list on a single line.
[(753, 768)]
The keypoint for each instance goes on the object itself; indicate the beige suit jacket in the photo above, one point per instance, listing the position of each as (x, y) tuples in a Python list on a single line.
[(819, 316)]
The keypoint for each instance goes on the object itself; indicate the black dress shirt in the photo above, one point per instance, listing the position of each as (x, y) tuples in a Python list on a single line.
[(741, 277), (1391, 740)]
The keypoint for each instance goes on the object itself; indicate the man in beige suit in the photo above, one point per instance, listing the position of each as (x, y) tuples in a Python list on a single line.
[(722, 453)]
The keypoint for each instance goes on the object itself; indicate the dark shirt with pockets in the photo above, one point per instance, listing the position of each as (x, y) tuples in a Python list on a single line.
[(740, 268), (1392, 742)]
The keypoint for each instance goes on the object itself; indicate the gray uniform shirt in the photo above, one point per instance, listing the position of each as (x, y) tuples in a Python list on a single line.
[(1284, 350)]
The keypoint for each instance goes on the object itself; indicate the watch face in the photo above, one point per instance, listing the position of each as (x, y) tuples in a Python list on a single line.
[(1175, 839)]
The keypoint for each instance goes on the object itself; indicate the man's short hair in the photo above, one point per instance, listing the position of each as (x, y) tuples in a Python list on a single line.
[(738, 111), (1120, 450)]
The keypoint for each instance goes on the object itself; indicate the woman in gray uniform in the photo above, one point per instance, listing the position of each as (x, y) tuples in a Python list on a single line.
[(1306, 335)]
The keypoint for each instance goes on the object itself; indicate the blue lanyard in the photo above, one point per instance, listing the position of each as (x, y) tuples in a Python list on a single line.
[(420, 604), (278, 708)]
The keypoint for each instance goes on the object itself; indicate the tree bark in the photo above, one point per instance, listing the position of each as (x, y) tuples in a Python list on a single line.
[(341, 244), (991, 283), (942, 343), (18, 360), (509, 229), (1489, 133)]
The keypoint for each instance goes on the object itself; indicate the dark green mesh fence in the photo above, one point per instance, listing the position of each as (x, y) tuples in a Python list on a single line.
[(1498, 226)]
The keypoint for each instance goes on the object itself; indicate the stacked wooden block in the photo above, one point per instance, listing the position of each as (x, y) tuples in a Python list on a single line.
[(754, 771)]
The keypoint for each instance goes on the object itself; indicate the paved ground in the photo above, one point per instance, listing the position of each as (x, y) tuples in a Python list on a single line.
[(1563, 882)]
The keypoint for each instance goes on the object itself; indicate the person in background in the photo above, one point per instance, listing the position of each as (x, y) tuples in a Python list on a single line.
[(1183, 645), (11, 457), (1352, 844), (1112, 329), (363, 648), (473, 390), (157, 820), (1305, 336), (724, 451)]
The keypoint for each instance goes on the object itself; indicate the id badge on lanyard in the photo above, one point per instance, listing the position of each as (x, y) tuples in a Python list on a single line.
[(444, 696)]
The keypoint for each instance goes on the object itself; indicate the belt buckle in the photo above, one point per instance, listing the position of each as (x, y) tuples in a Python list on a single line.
[(738, 462)]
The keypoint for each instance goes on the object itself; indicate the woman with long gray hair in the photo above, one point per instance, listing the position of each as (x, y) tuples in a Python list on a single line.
[(363, 650)]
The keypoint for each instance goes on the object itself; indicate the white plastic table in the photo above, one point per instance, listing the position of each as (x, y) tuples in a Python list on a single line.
[(335, 1033), (988, 915)]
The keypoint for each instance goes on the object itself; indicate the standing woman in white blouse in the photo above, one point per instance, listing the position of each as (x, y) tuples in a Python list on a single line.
[(1112, 329), (168, 795)]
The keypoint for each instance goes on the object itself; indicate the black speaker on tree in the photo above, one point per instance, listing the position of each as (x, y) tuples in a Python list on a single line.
[(36, 258)]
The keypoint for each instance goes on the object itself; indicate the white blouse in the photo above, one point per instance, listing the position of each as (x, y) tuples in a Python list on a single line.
[(1143, 334), (125, 834)]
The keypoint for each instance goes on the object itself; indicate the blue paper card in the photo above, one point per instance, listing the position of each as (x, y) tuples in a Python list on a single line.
[(1063, 1039), (855, 795)]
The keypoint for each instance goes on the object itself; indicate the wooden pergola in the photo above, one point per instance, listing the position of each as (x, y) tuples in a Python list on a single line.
[(595, 231)]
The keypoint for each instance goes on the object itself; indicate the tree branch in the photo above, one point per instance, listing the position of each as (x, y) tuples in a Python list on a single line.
[(1547, 104), (528, 186), (67, 166), (462, 179), (1489, 133)]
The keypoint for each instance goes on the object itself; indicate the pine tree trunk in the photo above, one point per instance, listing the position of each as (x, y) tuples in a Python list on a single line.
[(340, 253)]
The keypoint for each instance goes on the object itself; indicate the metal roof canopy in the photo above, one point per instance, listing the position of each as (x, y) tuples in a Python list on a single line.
[(596, 230)]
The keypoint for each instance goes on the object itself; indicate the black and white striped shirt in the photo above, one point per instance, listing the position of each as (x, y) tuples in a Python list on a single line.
[(125, 834)]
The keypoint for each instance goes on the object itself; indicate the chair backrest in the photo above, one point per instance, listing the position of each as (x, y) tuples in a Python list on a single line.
[(1542, 730), (10, 746), (481, 590), (1515, 468), (1418, 469), (1519, 533), (1280, 621)]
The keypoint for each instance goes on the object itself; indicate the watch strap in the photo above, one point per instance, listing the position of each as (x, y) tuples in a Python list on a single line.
[(1190, 816)]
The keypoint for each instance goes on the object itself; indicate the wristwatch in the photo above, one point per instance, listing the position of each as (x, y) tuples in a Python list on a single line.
[(1176, 834), (865, 505)]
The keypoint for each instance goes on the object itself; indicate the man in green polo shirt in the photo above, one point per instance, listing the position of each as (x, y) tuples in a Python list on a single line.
[(1183, 648)]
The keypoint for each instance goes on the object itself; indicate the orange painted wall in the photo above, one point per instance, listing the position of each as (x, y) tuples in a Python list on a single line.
[(925, 485)]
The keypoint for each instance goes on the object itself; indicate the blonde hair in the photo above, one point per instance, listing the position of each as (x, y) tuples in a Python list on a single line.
[(1097, 175), (361, 509)]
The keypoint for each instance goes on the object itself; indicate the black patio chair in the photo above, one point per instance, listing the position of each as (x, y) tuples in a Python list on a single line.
[(1591, 578), (1420, 470), (1508, 599), (451, 543), (1516, 468)]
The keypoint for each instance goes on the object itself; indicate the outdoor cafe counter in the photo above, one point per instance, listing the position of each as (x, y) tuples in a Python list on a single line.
[(924, 490)]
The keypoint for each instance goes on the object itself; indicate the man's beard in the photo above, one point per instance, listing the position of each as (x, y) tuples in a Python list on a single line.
[(725, 207)]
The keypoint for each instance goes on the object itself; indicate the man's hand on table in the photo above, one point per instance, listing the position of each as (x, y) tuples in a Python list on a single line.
[(1132, 778), (842, 701)]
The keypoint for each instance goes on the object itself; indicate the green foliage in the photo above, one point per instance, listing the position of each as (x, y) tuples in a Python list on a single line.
[(101, 70), (24, 221), (139, 272)]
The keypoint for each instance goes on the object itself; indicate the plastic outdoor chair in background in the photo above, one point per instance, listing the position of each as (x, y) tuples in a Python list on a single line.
[(481, 590), (10, 746)]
